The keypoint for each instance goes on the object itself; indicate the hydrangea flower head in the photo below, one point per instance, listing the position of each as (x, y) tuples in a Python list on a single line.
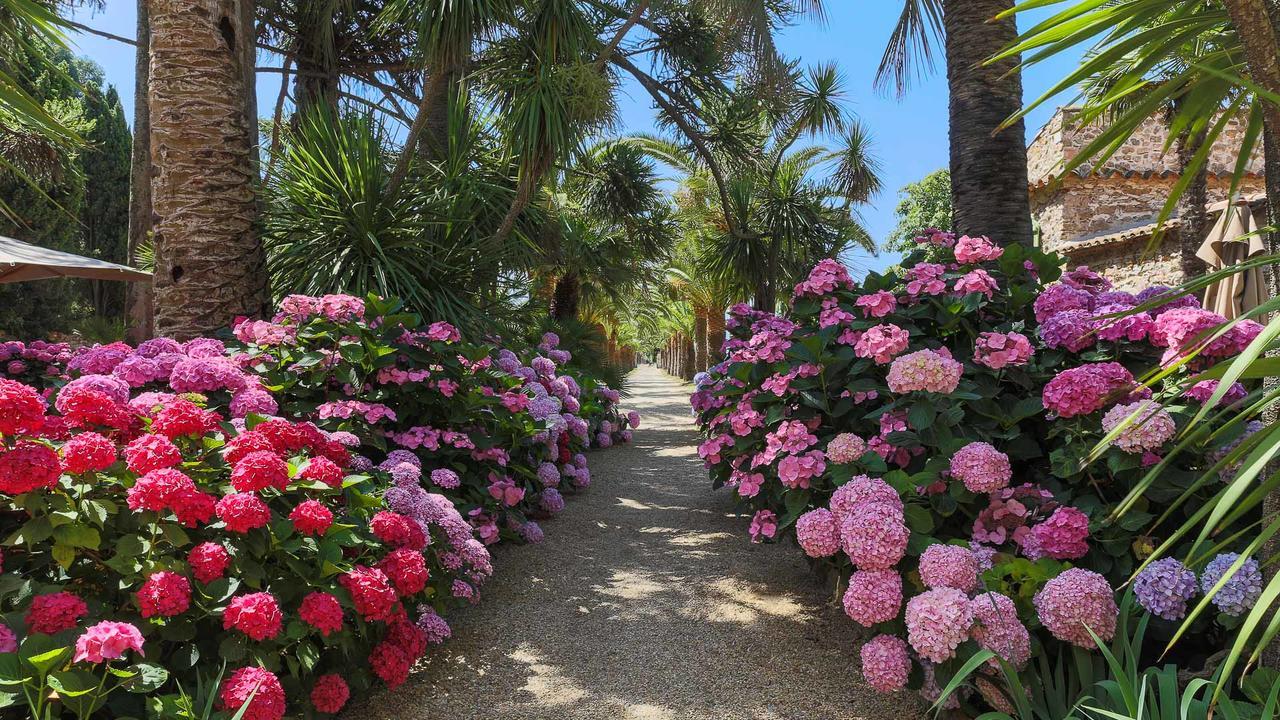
[(818, 533), (1164, 587), (998, 350), (1146, 426), (981, 467), (845, 448), (1075, 602), (1242, 589), (997, 628), (949, 566), (874, 535), (937, 622), (882, 343), (873, 596), (886, 664), (926, 371)]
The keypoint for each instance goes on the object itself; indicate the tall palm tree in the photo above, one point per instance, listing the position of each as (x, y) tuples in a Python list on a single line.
[(988, 155), (209, 259), (792, 202)]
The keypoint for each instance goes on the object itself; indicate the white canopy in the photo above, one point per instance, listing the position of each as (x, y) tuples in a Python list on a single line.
[(21, 261)]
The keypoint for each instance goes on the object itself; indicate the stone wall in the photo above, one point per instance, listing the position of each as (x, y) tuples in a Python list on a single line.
[(1133, 265), (1144, 153)]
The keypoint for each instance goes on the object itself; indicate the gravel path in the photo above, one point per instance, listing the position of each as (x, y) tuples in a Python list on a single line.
[(646, 601)]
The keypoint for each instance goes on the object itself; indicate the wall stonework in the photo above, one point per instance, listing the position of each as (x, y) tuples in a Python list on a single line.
[(1132, 266), (1127, 191)]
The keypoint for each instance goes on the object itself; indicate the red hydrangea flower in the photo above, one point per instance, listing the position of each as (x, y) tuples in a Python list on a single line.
[(371, 592), (193, 507), (258, 471), (164, 594), (335, 452), (208, 561), (182, 417), (55, 612), (158, 490), (87, 452), (324, 470), (256, 615), (330, 693), (390, 663), (85, 407), (408, 637), (407, 569), (311, 517), (243, 512), (321, 611), (21, 408), (151, 452), (262, 685), (287, 436), (28, 466), (397, 530), (245, 443)]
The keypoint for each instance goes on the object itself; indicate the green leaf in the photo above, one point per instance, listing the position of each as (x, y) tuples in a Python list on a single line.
[(73, 683), (150, 677), (45, 661), (64, 555), (77, 535)]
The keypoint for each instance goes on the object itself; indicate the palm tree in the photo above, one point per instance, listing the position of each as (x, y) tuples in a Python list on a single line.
[(793, 203), (209, 259), (988, 155)]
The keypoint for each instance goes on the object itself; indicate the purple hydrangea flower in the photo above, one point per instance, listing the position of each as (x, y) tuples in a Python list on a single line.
[(1164, 587), (1241, 591)]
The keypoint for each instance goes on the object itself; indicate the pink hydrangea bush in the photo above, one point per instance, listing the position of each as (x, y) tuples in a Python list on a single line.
[(952, 404)]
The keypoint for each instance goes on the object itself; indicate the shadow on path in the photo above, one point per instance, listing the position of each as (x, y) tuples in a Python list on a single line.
[(646, 602)]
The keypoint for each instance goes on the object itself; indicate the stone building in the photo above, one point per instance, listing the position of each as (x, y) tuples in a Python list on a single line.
[(1104, 216)]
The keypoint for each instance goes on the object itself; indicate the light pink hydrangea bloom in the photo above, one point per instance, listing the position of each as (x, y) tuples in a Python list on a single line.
[(981, 467), (873, 596), (925, 370), (886, 664), (1075, 602), (949, 566), (818, 533), (1149, 426), (874, 535), (937, 622), (997, 628)]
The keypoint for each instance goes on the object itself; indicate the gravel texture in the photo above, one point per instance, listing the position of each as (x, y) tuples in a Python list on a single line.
[(647, 601)]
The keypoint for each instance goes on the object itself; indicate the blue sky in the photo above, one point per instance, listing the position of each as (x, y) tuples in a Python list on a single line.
[(910, 133)]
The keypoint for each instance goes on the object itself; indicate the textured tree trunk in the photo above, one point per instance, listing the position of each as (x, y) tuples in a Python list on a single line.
[(1258, 24), (567, 298), (434, 145), (700, 340), (715, 336), (209, 260), (1195, 219), (687, 370), (316, 81), (139, 300), (988, 168)]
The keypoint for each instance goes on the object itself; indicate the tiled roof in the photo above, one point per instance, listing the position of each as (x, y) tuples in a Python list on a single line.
[(1103, 173)]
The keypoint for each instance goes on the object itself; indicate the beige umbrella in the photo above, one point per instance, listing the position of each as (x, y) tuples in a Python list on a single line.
[(1226, 245), (21, 261)]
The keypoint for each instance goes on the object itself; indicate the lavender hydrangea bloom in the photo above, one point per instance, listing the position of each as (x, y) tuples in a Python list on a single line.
[(531, 532), (551, 500), (1164, 587), (1241, 591), (549, 474), (543, 366), (543, 407)]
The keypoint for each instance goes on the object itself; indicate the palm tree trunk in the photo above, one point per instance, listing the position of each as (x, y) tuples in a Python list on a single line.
[(700, 340), (567, 298), (210, 266), (1258, 24), (1195, 219), (139, 300), (687, 370), (715, 336), (988, 165), (316, 80)]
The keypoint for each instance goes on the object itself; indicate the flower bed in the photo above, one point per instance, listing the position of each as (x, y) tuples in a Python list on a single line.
[(301, 506), (924, 435)]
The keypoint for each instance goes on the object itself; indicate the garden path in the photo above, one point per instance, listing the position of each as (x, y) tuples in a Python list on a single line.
[(646, 601)]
